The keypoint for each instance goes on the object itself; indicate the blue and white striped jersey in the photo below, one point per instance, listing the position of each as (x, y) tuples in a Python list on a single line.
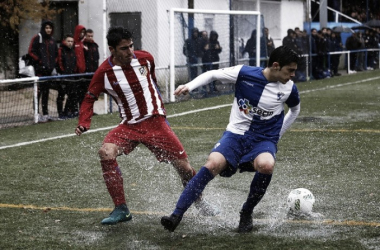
[(258, 107)]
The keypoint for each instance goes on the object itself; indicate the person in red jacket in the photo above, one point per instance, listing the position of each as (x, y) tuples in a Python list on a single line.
[(79, 89), (43, 49), (79, 36), (129, 77)]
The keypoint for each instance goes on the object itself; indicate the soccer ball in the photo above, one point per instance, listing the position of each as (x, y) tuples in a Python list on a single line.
[(300, 201)]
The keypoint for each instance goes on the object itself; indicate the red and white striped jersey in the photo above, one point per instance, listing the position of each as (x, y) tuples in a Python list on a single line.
[(133, 87)]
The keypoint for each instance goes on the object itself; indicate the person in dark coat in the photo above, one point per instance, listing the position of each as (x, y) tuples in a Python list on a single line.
[(43, 50), (91, 52), (67, 64), (250, 48), (270, 42), (371, 42), (193, 50), (211, 55), (352, 43), (212, 51), (337, 46), (290, 40)]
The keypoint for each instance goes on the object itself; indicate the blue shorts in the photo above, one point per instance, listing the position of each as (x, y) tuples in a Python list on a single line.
[(241, 150)]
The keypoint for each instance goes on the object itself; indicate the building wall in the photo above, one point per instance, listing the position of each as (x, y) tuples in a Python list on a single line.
[(292, 15)]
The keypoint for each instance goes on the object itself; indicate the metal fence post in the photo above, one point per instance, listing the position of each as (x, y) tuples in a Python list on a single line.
[(35, 100)]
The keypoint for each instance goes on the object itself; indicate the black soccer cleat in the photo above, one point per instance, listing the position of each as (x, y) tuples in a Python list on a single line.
[(171, 222), (245, 223)]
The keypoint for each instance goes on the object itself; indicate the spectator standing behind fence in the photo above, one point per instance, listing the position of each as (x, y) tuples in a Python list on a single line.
[(270, 43), (91, 52), (205, 41), (251, 47), (80, 86), (302, 43), (337, 46), (67, 64), (91, 55), (372, 42), (211, 56), (321, 51), (329, 48), (43, 49), (352, 43), (192, 49), (79, 36), (290, 40), (361, 55), (314, 51)]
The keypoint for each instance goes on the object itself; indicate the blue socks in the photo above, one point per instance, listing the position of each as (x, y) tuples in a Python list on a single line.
[(257, 190), (193, 190)]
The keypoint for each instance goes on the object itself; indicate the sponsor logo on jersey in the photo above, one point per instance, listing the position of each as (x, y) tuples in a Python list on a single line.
[(247, 108), (143, 71), (280, 95)]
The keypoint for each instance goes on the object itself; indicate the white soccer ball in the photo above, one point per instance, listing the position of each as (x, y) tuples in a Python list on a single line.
[(301, 200)]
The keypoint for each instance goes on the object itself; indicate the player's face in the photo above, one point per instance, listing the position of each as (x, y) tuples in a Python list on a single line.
[(286, 73), (123, 53)]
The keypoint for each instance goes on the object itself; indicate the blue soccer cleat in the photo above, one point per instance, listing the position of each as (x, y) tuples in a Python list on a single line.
[(119, 214)]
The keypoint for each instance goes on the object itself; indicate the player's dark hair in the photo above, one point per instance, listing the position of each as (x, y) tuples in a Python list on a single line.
[(284, 56), (116, 34), (89, 31)]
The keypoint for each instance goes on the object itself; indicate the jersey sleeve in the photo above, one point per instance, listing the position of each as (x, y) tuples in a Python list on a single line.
[(87, 107), (225, 75), (294, 97)]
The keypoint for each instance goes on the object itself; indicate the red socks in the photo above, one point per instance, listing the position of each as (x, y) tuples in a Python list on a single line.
[(114, 181)]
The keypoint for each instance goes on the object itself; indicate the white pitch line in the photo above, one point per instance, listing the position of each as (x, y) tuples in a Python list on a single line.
[(179, 114), (105, 128)]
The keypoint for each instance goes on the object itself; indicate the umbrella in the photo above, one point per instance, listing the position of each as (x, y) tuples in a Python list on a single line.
[(362, 27), (341, 29), (373, 23)]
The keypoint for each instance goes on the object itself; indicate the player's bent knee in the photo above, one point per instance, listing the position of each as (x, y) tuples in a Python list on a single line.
[(265, 168), (264, 163), (108, 151), (216, 163)]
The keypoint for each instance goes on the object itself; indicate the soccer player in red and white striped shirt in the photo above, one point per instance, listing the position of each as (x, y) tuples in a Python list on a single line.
[(129, 77)]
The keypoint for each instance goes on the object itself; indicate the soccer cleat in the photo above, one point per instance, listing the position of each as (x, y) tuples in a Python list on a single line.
[(245, 224), (119, 214), (171, 222), (205, 209)]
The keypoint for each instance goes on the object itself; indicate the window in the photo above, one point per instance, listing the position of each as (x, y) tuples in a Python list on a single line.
[(132, 22)]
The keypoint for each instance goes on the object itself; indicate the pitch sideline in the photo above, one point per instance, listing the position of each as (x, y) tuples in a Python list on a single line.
[(319, 222)]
